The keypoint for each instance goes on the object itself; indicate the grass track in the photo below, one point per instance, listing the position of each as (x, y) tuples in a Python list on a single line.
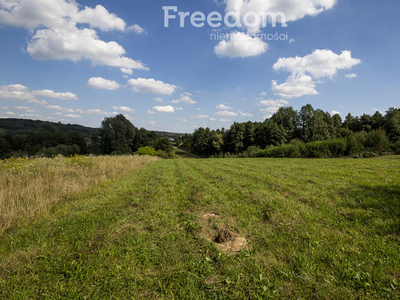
[(316, 229)]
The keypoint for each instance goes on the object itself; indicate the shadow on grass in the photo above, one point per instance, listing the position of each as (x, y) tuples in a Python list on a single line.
[(379, 202)]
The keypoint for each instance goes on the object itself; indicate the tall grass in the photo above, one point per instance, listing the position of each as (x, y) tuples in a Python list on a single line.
[(29, 187)]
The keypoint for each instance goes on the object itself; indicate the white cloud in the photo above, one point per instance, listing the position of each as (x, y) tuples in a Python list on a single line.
[(10, 113), (125, 109), (72, 116), (269, 110), (213, 119), (137, 29), (334, 112), (263, 94), (275, 103), (101, 83), (240, 44), (223, 107), (225, 113), (202, 117), (351, 75), (245, 114), (21, 107), (163, 109), (295, 86), (151, 86), (62, 33), (30, 116), (224, 120), (126, 71), (319, 64), (292, 9), (59, 108), (158, 99), (179, 108), (15, 92), (77, 44), (185, 98), (5, 107), (54, 95), (93, 111)]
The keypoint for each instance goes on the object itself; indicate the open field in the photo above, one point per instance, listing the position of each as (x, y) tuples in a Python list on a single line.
[(30, 187), (310, 229)]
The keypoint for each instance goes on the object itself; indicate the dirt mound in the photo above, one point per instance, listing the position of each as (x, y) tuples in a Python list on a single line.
[(217, 232)]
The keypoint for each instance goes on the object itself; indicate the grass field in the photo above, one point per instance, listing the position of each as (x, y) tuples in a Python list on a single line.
[(310, 229)]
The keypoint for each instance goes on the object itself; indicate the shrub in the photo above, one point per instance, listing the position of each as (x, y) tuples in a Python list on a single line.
[(377, 141), (326, 149), (355, 143), (252, 151), (147, 151), (366, 154)]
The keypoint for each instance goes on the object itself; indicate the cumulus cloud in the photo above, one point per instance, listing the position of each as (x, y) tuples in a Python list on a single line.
[(334, 112), (65, 30), (124, 109), (59, 108), (54, 95), (162, 109), (245, 114), (126, 71), (151, 86), (72, 116), (351, 75), (295, 86), (223, 107), (137, 29), (185, 98), (101, 83), (305, 70), (269, 110), (158, 99), (292, 9), (16, 92), (202, 116), (225, 113), (239, 44), (319, 64), (275, 103), (22, 93)]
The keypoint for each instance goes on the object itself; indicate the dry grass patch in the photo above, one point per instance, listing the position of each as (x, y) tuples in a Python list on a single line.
[(30, 187)]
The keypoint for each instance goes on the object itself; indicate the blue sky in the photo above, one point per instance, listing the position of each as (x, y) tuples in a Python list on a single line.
[(61, 61)]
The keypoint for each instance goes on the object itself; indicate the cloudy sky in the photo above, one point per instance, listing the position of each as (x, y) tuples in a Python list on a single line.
[(80, 61)]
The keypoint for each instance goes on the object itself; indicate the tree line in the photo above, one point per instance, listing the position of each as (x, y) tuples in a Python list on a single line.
[(117, 136), (291, 133)]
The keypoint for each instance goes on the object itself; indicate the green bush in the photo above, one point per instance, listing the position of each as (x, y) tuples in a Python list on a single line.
[(326, 149), (252, 151), (356, 142), (147, 151), (377, 141), (366, 154)]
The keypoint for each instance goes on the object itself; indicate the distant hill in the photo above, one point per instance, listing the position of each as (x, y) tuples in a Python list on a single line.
[(20, 126)]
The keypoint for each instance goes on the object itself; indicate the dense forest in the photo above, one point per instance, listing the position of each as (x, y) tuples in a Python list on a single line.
[(288, 133), (117, 136), (306, 133)]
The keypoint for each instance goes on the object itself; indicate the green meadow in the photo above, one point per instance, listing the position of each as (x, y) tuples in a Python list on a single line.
[(214, 229)]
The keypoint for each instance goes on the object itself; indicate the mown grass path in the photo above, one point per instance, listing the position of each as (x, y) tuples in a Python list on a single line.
[(316, 229)]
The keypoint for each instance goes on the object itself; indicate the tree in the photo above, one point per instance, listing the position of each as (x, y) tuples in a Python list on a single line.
[(117, 135)]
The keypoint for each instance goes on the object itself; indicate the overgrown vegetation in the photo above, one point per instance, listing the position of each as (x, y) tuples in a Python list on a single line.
[(304, 133), (30, 187), (117, 136), (315, 229)]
